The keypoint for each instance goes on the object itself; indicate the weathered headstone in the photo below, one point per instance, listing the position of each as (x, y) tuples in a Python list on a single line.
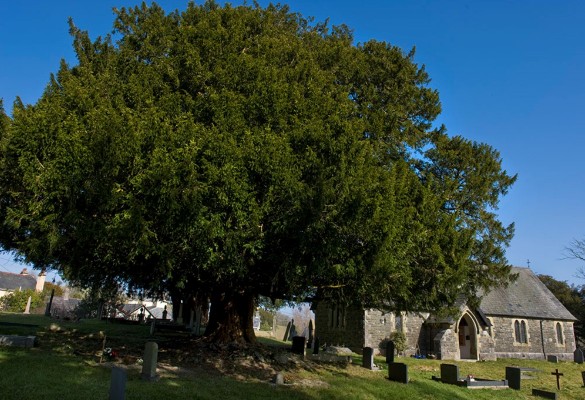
[(552, 359), (149, 361), (544, 393), (450, 374), (316, 346), (390, 352), (513, 376), (118, 384), (18, 341), (27, 309), (398, 372), (368, 358), (298, 345), (578, 356), (278, 379), (293, 330)]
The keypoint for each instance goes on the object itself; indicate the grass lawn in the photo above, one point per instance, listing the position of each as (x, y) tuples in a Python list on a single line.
[(65, 365)]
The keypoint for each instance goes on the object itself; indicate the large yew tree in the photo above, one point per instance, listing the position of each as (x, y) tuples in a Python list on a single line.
[(225, 153)]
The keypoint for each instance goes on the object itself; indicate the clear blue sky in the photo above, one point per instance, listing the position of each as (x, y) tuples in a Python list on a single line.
[(510, 73)]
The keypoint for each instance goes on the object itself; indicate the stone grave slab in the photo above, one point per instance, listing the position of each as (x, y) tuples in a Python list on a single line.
[(18, 341), (398, 372), (545, 394), (118, 384)]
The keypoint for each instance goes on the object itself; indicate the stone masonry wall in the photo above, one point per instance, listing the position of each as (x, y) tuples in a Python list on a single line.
[(506, 345), (348, 333), (379, 325)]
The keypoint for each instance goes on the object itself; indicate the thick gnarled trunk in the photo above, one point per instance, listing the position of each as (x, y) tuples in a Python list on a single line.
[(230, 318)]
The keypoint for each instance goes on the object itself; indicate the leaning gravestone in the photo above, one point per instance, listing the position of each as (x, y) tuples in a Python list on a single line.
[(286, 332), (398, 372), (368, 358), (118, 384), (450, 374), (149, 361), (578, 356), (390, 352), (298, 345), (513, 376)]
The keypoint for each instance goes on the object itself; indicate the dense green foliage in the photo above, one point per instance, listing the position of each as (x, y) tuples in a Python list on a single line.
[(573, 298), (17, 300), (237, 152)]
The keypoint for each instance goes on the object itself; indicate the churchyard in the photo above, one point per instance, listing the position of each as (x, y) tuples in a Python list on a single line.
[(69, 362)]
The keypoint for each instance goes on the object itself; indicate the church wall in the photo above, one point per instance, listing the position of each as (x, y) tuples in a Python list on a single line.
[(340, 326), (380, 325), (506, 345)]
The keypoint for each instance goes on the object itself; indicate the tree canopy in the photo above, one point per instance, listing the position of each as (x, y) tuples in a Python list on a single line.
[(231, 152)]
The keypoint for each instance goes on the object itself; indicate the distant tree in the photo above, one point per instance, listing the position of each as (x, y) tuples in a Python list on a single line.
[(577, 251), (48, 288), (235, 152), (573, 298)]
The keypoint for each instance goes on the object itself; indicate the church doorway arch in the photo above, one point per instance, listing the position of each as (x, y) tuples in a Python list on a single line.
[(467, 334)]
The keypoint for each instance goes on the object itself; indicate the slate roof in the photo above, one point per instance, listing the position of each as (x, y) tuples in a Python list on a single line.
[(526, 297), (10, 281)]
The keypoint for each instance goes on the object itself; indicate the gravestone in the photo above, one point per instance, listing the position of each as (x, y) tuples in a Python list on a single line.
[(558, 375), (316, 346), (286, 332), (118, 384), (311, 330), (27, 308), (398, 372), (513, 376), (278, 379), (293, 330), (368, 358), (390, 352), (298, 345), (578, 356), (450, 374), (552, 359), (583, 377), (149, 361), (165, 313), (545, 394)]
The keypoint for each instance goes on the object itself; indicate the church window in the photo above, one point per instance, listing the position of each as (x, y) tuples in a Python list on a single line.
[(520, 331), (559, 329), (398, 321), (337, 317)]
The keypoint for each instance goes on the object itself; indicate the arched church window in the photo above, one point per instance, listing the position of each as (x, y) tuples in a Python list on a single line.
[(559, 329), (520, 332)]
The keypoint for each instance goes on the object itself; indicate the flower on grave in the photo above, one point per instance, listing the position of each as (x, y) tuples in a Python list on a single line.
[(110, 354)]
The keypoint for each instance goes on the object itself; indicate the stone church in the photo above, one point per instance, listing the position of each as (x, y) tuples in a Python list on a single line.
[(522, 320)]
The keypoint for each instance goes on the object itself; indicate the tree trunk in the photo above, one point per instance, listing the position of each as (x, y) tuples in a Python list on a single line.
[(230, 318)]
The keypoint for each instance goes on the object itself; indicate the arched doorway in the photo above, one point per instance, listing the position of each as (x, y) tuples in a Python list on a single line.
[(467, 334)]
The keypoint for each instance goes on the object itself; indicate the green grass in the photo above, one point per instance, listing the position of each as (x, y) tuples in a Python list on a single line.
[(64, 366)]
